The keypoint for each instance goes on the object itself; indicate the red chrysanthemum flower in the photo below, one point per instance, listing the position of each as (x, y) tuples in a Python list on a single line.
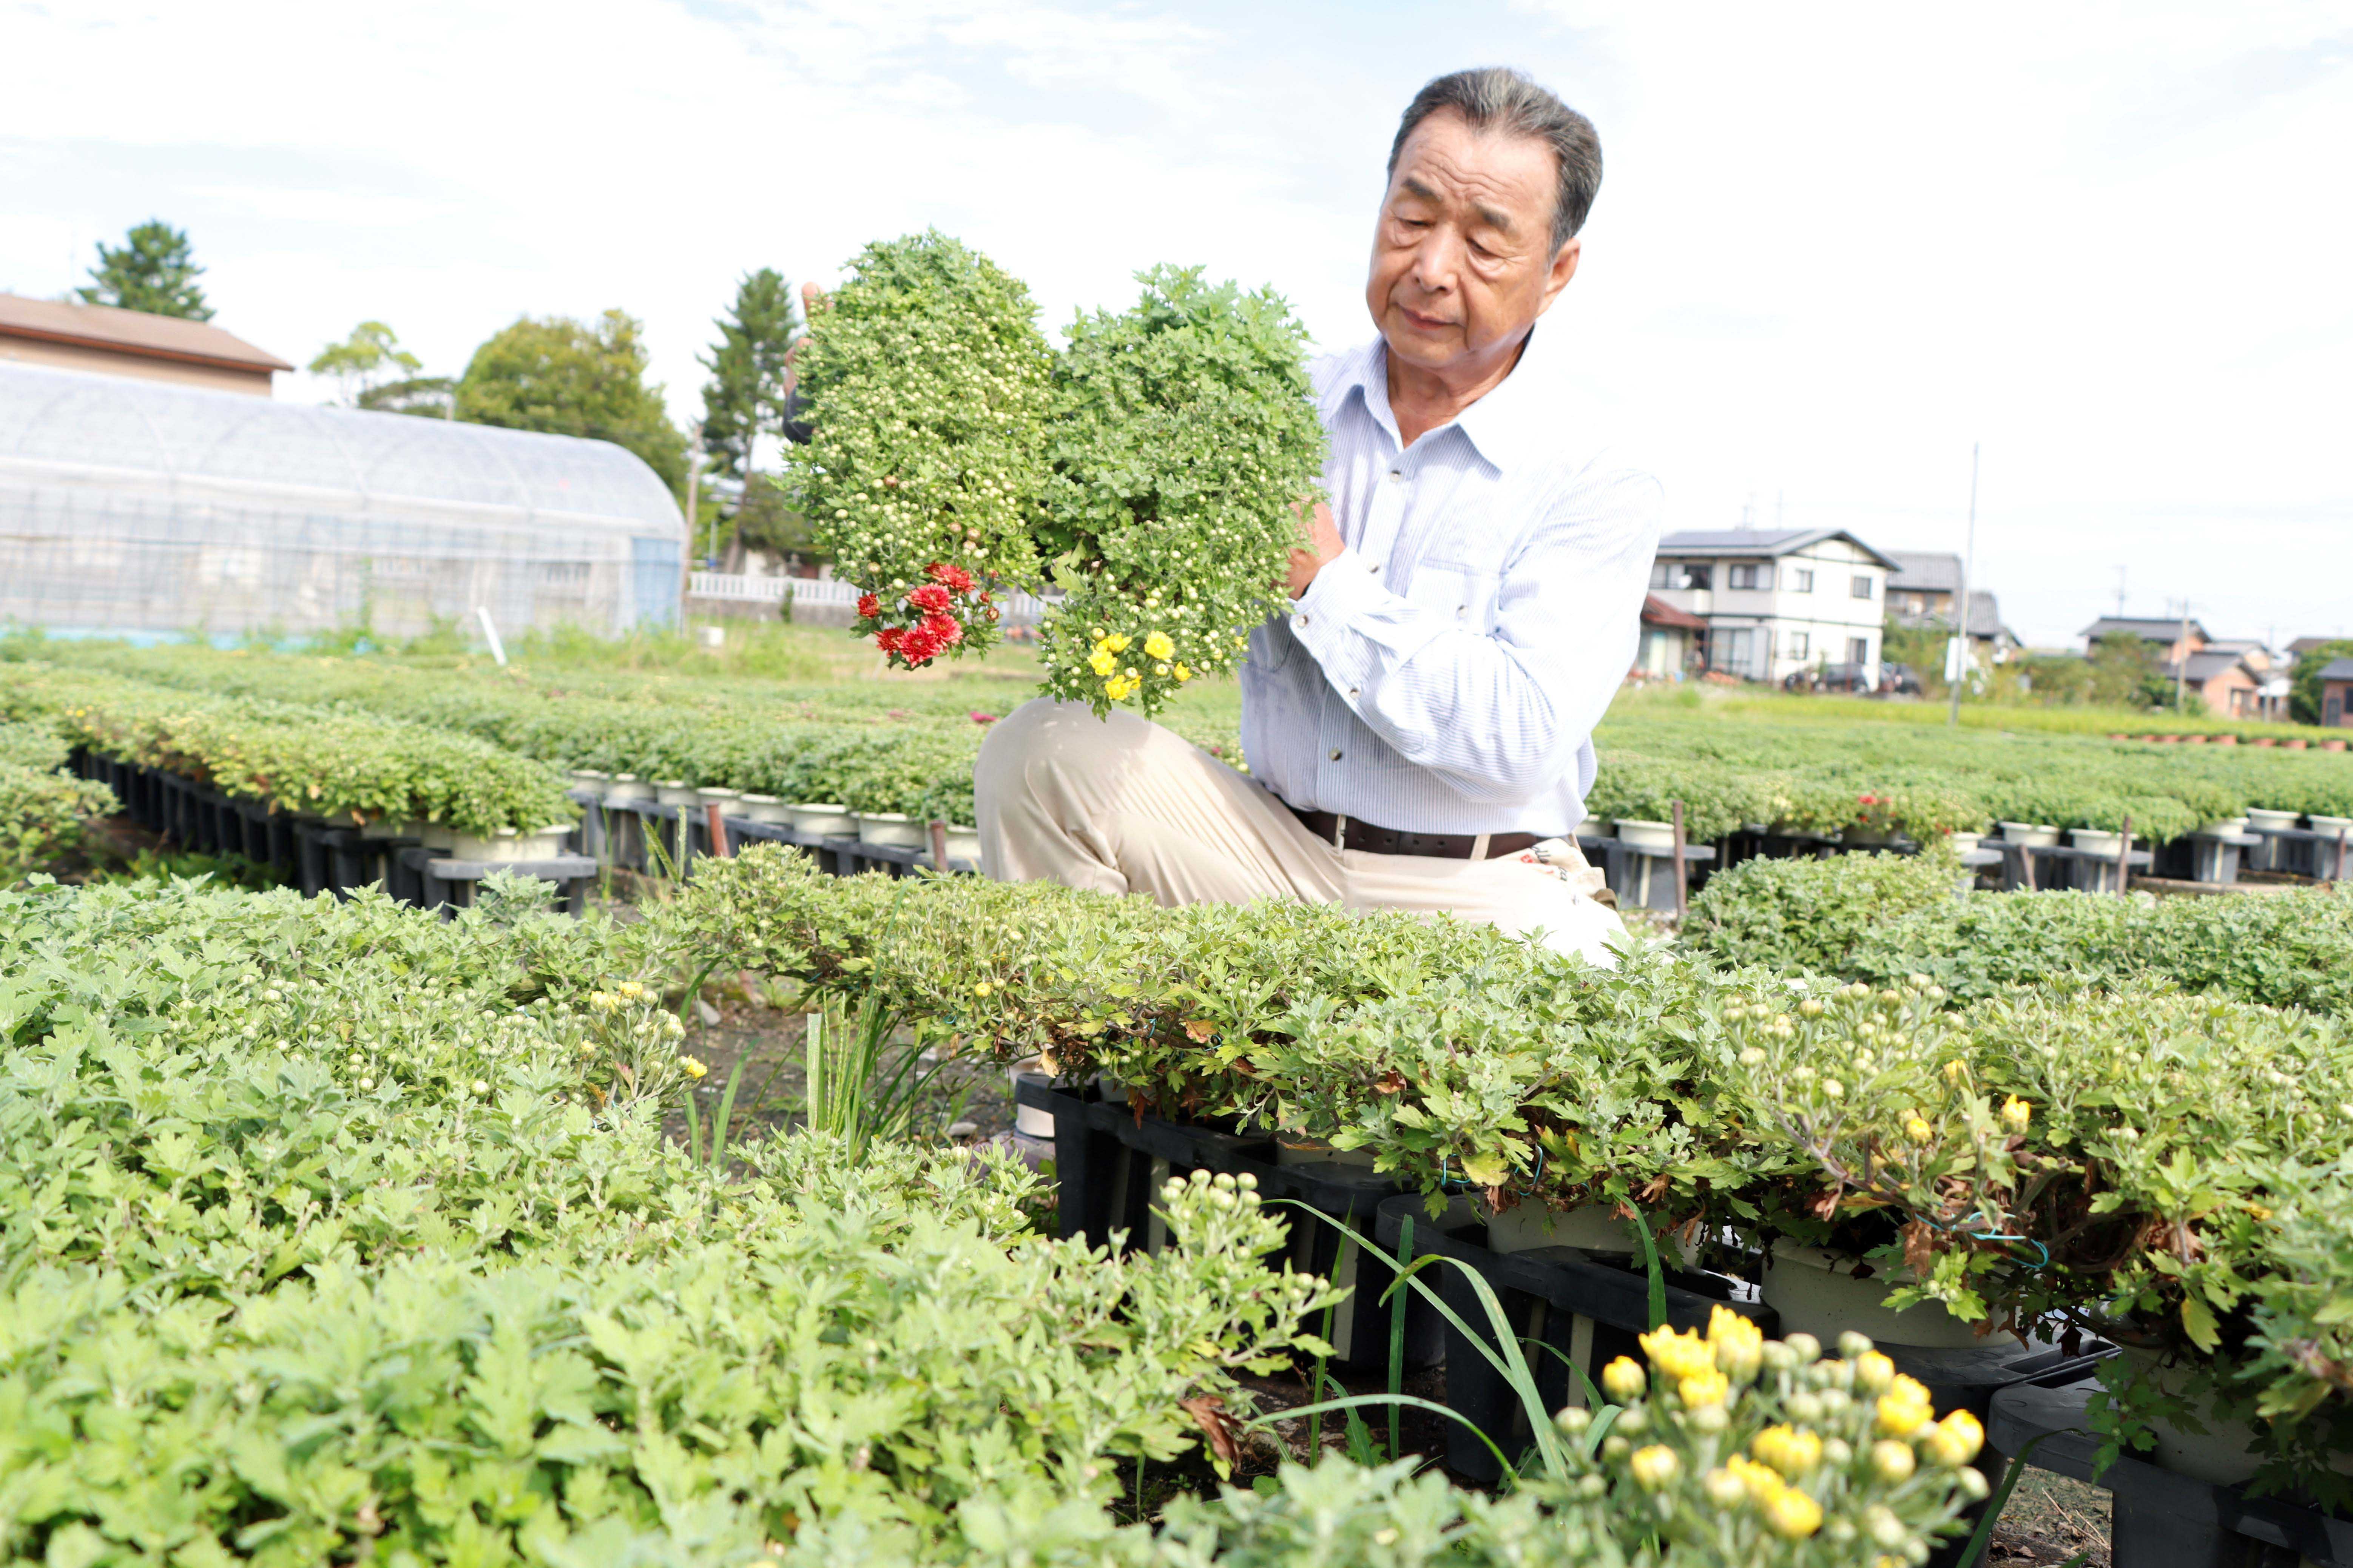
[(868, 606), (889, 638), (919, 645), (954, 578), (931, 597), (947, 629)]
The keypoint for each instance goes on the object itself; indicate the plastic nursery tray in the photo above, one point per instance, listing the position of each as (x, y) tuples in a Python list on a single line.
[(1588, 1308), (1110, 1164), (2161, 1518)]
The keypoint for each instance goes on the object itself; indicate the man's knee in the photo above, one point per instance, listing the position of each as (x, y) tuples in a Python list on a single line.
[(1064, 738)]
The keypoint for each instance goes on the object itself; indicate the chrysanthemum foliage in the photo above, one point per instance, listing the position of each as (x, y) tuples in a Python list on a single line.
[(1184, 436), (926, 382)]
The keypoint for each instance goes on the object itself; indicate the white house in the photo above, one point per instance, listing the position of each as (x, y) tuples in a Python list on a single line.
[(1778, 602)]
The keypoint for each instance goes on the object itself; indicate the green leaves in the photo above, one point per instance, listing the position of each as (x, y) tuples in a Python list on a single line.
[(926, 381), (1184, 437)]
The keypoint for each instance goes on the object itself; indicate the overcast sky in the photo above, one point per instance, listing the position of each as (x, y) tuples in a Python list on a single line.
[(1834, 247)]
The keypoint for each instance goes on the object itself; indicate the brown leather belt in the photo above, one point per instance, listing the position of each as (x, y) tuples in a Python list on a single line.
[(1375, 840)]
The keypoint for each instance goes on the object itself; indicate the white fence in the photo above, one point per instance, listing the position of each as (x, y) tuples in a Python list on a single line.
[(1020, 609)]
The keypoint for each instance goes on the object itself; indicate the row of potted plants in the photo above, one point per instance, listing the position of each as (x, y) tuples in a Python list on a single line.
[(343, 768), (1823, 1123), (819, 819)]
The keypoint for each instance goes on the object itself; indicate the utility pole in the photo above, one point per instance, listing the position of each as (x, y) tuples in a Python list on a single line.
[(1961, 610), (2181, 658), (2120, 592), (693, 490)]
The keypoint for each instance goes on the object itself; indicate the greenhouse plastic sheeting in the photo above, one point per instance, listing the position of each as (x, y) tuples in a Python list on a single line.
[(130, 507)]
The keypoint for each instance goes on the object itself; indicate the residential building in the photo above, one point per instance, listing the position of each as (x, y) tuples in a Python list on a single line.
[(2179, 637), (1920, 594), (1778, 602), (56, 335), (2225, 680), (2337, 694), (2302, 645), (1672, 641)]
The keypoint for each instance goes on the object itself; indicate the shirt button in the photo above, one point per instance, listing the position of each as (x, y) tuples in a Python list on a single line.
[(1372, 565), (1396, 476), (1352, 691), (1460, 611), (1302, 620), (1336, 753)]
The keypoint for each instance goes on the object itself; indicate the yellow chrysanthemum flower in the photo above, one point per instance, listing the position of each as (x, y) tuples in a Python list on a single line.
[(1183, 675), (1904, 1408), (1701, 1389), (1954, 1441), (1624, 1380), (1158, 646), (1116, 643), (1654, 1466), (1678, 1355), (2016, 1113), (1102, 662), (1791, 1514), (1787, 1450), (1737, 1342)]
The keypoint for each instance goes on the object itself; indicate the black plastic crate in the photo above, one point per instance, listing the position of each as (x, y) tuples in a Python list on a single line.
[(1110, 1164)]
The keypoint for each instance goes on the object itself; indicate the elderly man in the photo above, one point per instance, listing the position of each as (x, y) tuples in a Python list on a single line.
[(1419, 726)]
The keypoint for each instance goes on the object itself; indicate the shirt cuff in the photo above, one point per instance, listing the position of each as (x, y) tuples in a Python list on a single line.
[(1322, 617)]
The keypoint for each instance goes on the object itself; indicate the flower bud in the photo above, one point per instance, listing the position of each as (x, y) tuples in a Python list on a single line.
[(1892, 1461), (1874, 1371), (1654, 1466), (1725, 1489), (1805, 1347), (1852, 1344), (1624, 1380), (1572, 1419), (1954, 1441)]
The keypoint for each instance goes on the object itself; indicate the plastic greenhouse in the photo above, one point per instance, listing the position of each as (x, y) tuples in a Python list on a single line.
[(130, 507)]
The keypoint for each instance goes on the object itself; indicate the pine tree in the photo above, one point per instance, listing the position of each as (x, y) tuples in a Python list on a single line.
[(153, 270), (746, 394)]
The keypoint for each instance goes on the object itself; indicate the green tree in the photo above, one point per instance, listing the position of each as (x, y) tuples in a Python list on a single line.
[(745, 395), (430, 396), (2128, 670), (2304, 685), (153, 271), (371, 354), (569, 378)]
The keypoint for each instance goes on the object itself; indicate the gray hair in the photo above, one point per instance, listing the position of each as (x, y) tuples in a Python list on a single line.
[(1495, 98)]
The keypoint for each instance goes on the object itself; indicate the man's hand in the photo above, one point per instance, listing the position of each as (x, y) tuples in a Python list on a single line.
[(1323, 542)]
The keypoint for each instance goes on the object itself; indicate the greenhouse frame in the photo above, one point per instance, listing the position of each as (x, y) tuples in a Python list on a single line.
[(132, 508)]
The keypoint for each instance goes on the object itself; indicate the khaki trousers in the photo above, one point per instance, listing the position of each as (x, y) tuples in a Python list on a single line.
[(1122, 805)]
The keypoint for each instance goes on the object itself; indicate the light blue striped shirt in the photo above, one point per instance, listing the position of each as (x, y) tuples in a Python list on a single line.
[(1443, 674)]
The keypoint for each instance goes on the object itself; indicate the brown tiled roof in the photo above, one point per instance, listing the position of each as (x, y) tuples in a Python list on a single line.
[(1658, 613), (131, 332)]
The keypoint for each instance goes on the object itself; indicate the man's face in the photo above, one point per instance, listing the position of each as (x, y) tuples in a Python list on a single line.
[(1463, 256)]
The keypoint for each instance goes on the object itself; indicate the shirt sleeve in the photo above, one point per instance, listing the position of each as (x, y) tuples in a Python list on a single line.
[(1499, 713)]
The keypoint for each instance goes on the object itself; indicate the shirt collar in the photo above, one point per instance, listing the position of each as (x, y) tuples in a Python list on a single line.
[(1507, 426)]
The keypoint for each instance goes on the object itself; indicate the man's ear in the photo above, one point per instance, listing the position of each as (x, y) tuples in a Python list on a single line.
[(1564, 268)]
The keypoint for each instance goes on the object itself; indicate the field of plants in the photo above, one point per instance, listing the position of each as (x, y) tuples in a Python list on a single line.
[(337, 1228), (344, 1230)]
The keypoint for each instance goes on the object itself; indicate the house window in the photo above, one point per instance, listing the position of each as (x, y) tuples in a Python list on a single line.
[(1752, 576), (1666, 575), (1860, 586), (1803, 579), (1857, 649), (1798, 645), (1728, 649)]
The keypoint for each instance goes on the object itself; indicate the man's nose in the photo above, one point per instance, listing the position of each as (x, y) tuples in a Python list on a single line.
[(1438, 261)]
